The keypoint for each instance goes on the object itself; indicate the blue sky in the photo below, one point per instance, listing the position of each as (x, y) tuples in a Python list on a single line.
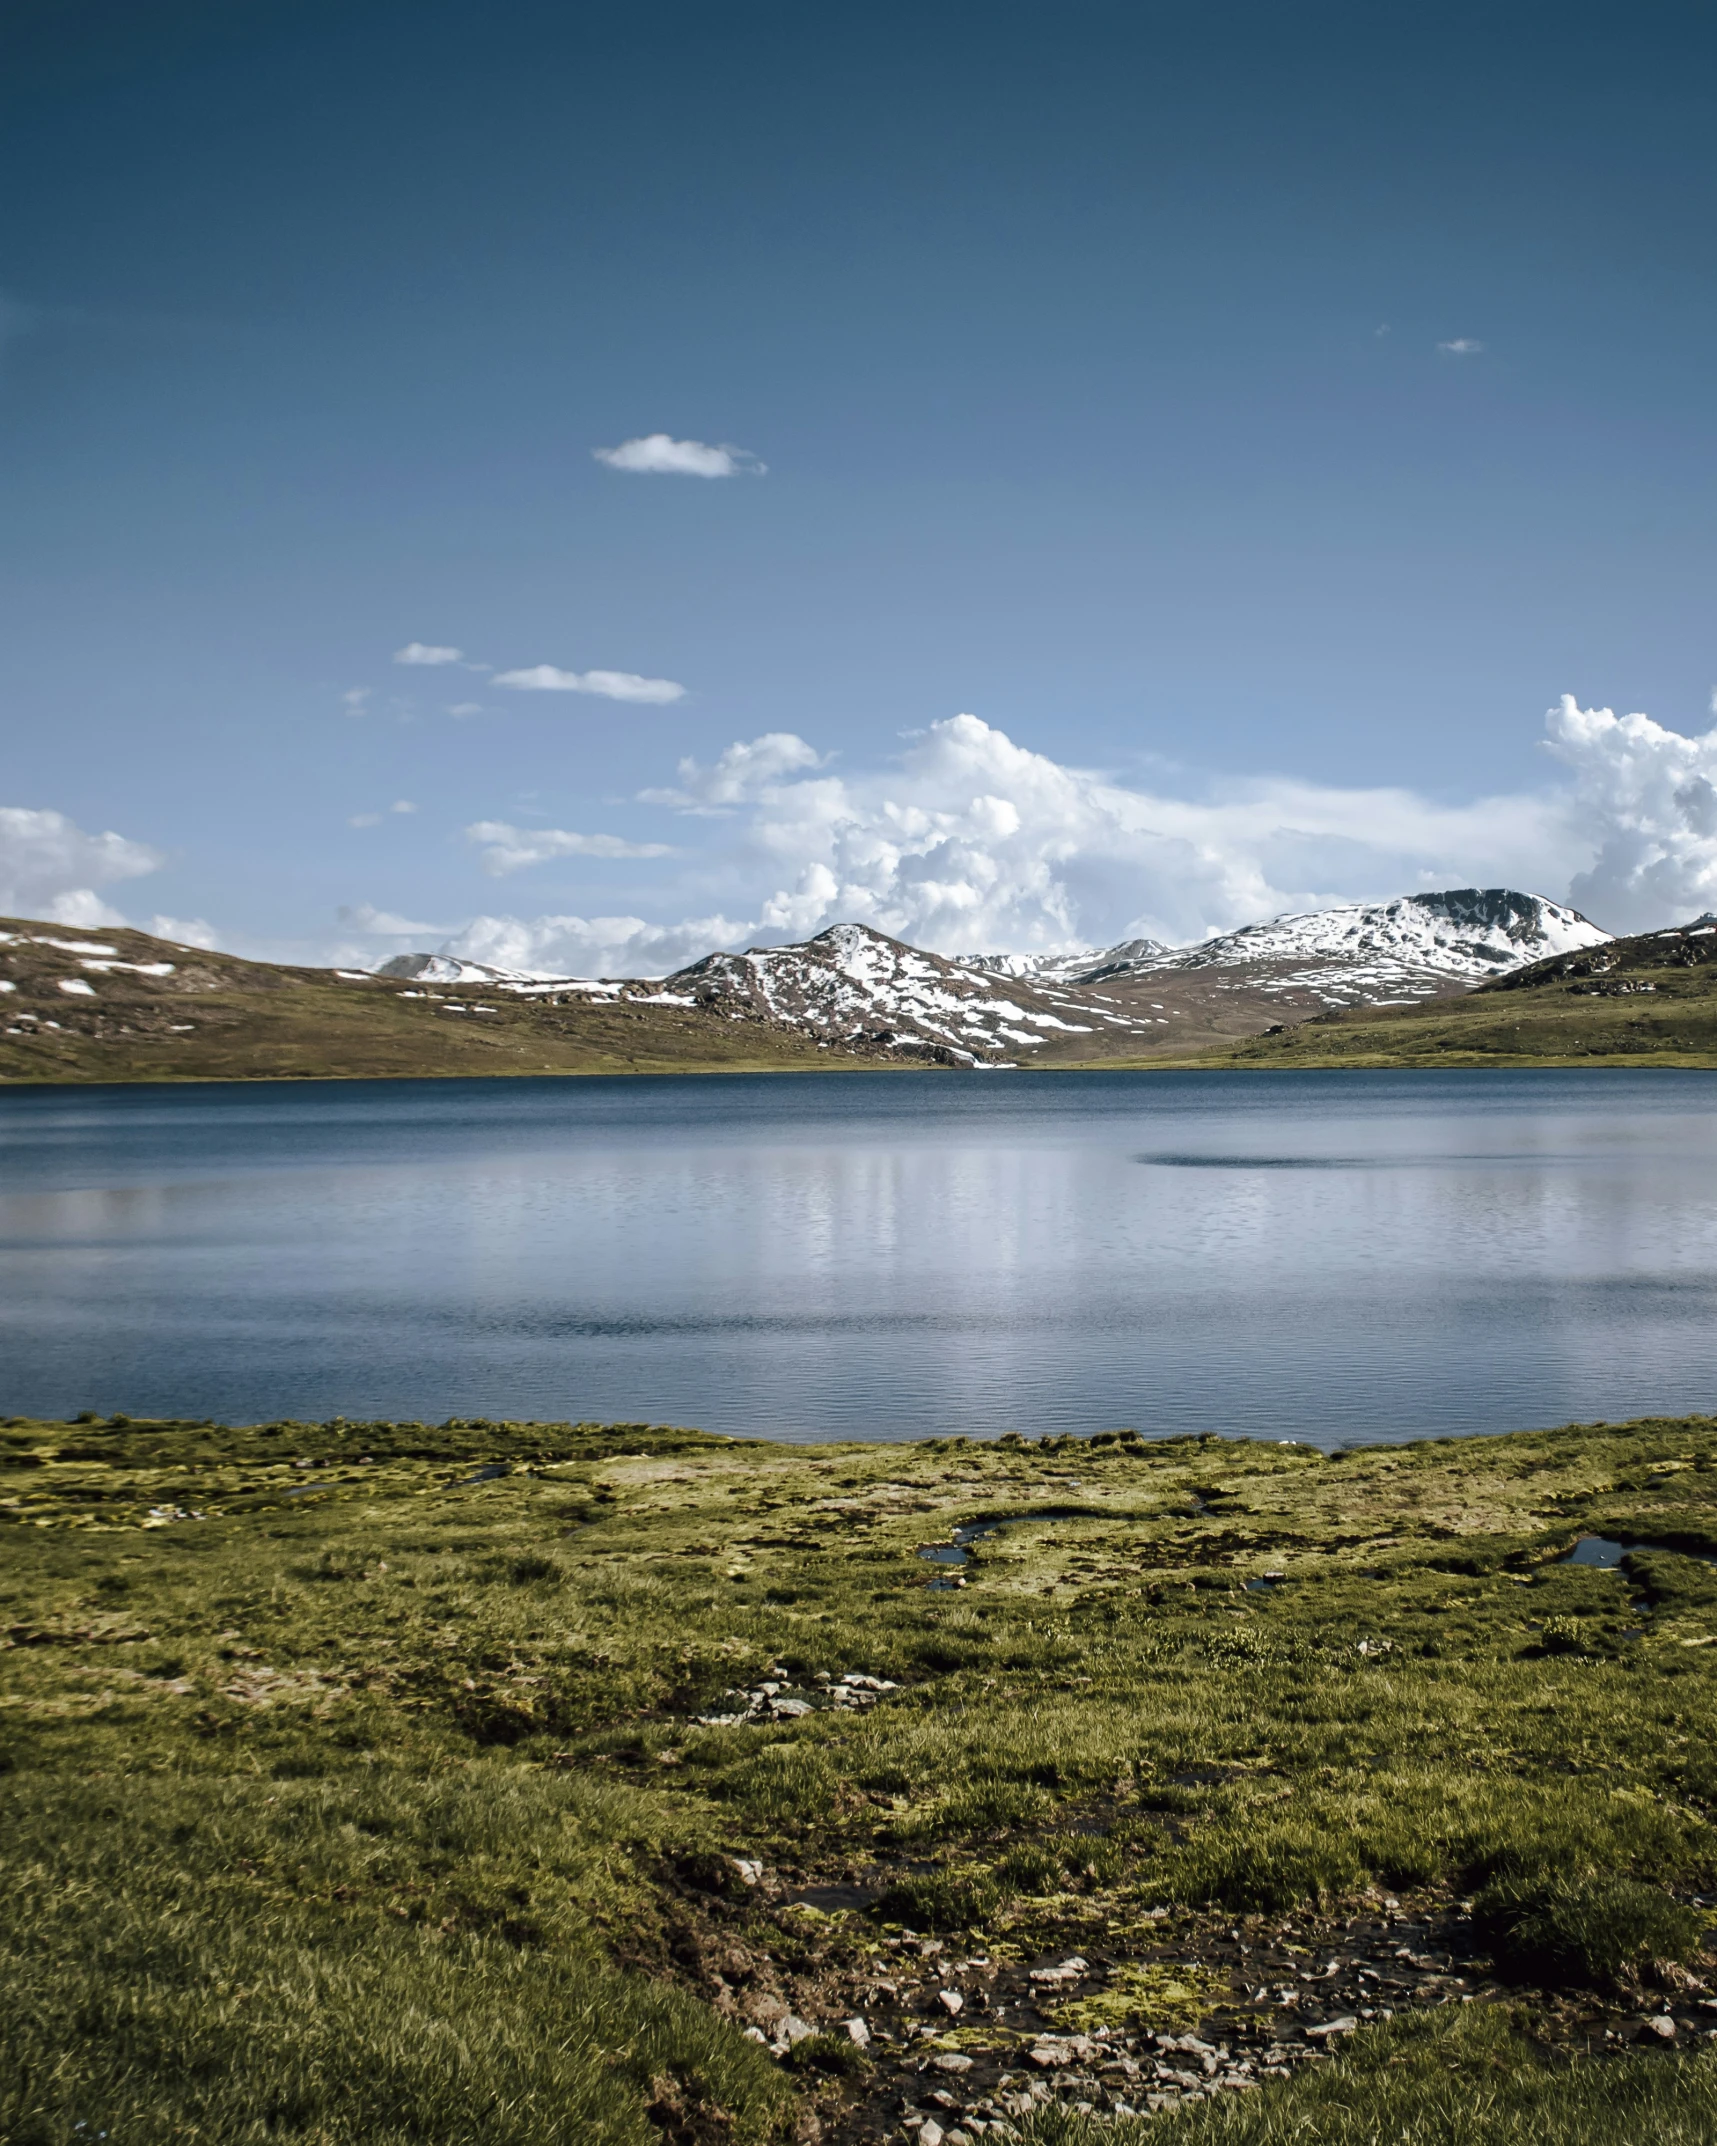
[(1256, 418)]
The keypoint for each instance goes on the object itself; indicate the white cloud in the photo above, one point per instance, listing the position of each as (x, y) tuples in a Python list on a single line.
[(659, 455), (423, 652), (1645, 805), (509, 849), (466, 707), (365, 819), (595, 946), (972, 843), (610, 685), (1463, 346), (384, 924), (746, 771), (355, 700), (50, 868), (184, 931)]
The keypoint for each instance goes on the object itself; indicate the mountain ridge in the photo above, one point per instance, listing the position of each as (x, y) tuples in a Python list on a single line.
[(123, 1005)]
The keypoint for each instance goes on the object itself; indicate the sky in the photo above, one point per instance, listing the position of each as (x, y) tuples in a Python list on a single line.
[(584, 485)]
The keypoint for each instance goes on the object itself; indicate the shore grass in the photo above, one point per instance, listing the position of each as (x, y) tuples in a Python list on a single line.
[(383, 1780)]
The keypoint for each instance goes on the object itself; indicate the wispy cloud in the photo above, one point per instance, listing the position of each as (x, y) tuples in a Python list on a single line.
[(422, 652), (608, 685), (657, 454), (365, 917), (356, 699), (375, 819), (510, 849), (1463, 346)]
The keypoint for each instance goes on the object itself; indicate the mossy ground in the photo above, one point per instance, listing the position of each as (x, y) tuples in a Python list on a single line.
[(351, 1794)]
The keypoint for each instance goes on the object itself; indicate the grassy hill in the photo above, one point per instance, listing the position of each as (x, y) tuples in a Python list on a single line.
[(378, 1782), (124, 1006), (1647, 1000)]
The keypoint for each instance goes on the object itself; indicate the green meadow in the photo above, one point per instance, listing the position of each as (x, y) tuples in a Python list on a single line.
[(389, 1782)]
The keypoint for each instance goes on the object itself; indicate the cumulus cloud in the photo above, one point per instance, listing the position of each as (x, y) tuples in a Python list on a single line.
[(610, 685), (509, 849), (747, 770), (1645, 804), (659, 455), (425, 653), (1462, 346), (50, 868), (973, 843)]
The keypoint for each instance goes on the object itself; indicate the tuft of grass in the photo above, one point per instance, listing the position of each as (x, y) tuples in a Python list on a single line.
[(939, 1900), (1586, 1932)]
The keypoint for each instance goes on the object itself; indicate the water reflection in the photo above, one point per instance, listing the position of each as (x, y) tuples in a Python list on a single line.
[(1312, 1257)]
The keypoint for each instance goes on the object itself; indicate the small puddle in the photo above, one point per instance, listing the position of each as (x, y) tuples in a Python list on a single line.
[(830, 1899), (957, 1553), (1600, 1553), (483, 1475), (303, 1490)]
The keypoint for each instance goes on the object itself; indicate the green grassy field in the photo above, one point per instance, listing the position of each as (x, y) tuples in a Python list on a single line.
[(352, 1794)]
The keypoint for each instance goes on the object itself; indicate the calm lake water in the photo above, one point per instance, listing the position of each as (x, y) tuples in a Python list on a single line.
[(1312, 1256)]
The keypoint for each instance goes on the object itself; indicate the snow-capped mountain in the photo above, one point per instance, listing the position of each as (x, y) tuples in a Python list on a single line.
[(1467, 932), (1081, 966), (1412, 947), (852, 984), (858, 987)]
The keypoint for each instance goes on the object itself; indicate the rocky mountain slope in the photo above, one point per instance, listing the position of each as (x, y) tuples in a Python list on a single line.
[(124, 1006), (855, 986), (851, 982), (1648, 999)]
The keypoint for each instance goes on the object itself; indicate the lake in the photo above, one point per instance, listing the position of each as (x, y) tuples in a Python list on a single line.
[(1327, 1257)]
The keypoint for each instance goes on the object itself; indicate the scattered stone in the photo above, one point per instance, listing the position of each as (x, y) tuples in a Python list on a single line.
[(1347, 2024), (855, 2030), (951, 2001), (1663, 2025), (950, 2061)]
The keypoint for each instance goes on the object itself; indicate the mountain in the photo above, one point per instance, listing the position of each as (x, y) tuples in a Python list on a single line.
[(125, 1006), (856, 985), (1467, 934), (122, 1005), (1649, 999)]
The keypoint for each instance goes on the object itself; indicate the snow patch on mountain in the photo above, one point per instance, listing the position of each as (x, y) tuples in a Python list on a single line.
[(1084, 965), (854, 984), (1466, 932)]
